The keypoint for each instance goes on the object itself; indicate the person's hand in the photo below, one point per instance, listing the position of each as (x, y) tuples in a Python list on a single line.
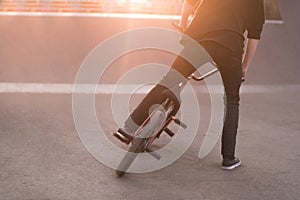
[(251, 45), (244, 71)]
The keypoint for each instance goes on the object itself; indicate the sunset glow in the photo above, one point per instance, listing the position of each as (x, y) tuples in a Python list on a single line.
[(134, 9)]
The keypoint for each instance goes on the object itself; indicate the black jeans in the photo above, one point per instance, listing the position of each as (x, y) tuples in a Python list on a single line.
[(230, 68)]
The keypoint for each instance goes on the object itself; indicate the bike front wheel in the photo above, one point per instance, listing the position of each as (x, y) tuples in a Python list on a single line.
[(157, 119)]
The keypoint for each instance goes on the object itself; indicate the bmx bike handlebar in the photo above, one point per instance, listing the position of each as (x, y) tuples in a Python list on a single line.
[(200, 78)]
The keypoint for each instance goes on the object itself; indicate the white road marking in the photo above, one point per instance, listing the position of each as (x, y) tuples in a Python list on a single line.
[(100, 15), (107, 15), (61, 88)]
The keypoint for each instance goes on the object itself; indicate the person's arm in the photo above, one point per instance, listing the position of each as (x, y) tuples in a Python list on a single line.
[(251, 46), (186, 11), (253, 36)]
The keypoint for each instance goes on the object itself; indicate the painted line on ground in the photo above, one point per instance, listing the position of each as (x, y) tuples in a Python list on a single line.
[(61, 88), (100, 15), (107, 15)]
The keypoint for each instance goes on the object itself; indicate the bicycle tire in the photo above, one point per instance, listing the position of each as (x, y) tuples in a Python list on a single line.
[(139, 144), (130, 156)]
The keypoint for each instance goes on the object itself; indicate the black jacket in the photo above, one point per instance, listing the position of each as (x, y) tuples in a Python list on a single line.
[(226, 21)]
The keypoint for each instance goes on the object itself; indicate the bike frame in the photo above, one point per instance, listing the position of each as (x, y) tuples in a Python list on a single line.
[(153, 126)]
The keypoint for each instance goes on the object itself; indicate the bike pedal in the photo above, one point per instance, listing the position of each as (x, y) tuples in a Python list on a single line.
[(169, 132), (153, 153), (121, 138), (126, 134), (180, 123)]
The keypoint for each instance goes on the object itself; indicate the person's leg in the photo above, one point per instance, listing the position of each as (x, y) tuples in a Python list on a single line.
[(230, 68), (231, 76), (180, 70)]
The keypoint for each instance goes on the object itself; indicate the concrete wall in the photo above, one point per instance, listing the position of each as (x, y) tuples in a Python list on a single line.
[(51, 49)]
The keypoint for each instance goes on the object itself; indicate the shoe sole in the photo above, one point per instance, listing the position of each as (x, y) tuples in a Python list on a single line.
[(232, 166)]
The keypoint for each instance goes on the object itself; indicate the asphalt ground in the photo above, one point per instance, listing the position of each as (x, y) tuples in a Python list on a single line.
[(42, 156)]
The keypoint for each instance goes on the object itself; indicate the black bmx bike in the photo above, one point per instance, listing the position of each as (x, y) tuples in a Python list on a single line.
[(156, 123)]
